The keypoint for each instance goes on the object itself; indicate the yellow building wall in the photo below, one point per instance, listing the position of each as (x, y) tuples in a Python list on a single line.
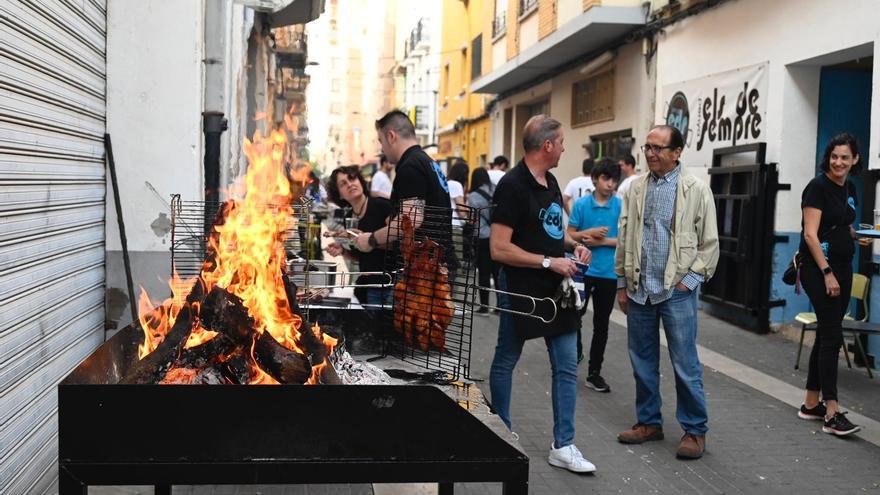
[(462, 22)]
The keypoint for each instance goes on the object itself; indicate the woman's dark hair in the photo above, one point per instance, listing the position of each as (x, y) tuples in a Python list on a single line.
[(844, 139), (479, 178), (607, 167), (459, 172), (352, 172)]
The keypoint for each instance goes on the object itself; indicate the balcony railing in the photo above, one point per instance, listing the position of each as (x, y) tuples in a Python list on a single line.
[(418, 35), (499, 25), (526, 6)]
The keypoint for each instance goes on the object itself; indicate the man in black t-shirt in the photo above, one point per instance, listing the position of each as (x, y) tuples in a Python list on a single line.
[(417, 178), (529, 239)]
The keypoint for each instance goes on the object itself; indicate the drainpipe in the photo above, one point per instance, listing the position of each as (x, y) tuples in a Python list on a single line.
[(213, 121)]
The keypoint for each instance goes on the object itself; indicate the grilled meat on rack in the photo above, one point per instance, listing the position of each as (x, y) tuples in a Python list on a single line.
[(423, 305)]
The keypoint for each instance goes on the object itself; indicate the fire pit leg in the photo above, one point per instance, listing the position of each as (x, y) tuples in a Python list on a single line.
[(445, 488), (515, 486), (162, 489), (69, 485)]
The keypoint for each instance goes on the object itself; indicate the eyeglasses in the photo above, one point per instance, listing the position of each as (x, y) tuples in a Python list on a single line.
[(654, 148)]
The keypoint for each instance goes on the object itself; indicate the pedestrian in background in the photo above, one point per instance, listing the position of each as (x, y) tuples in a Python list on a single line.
[(579, 186), (528, 239), (480, 198), (593, 221), (667, 247), (627, 174), (380, 184), (498, 168), (826, 253)]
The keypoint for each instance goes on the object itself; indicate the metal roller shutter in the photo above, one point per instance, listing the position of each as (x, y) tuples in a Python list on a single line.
[(52, 122)]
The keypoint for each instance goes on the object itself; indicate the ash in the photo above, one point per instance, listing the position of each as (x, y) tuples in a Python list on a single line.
[(353, 372)]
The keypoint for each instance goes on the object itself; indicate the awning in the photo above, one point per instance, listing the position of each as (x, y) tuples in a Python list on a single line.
[(584, 34), (287, 12), (296, 12)]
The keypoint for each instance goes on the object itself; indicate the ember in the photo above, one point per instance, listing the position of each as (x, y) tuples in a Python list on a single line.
[(237, 322)]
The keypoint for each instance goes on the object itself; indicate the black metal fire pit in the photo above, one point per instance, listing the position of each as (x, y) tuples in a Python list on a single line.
[(162, 435)]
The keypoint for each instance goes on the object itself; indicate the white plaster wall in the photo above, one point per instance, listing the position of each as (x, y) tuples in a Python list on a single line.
[(528, 31), (499, 52), (787, 33), (154, 105), (567, 10)]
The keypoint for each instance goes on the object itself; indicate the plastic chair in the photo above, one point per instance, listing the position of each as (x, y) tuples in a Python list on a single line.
[(860, 285)]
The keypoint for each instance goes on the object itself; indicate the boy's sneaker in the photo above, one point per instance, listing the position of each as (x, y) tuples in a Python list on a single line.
[(815, 413), (483, 311), (597, 383), (839, 425), (570, 458)]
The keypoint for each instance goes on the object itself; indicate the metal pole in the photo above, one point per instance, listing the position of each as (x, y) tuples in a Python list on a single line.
[(111, 164)]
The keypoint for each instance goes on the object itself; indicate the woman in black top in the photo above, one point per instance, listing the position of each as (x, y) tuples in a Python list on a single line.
[(827, 248), (346, 187)]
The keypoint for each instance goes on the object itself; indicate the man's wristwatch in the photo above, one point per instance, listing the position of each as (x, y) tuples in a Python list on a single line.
[(826, 270), (372, 241), (545, 263)]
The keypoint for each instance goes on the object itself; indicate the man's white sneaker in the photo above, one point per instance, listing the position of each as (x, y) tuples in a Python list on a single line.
[(570, 458)]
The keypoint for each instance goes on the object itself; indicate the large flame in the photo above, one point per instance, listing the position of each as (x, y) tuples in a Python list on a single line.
[(249, 252), (248, 258)]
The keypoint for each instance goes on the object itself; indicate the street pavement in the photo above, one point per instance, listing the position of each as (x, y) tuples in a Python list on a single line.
[(756, 443)]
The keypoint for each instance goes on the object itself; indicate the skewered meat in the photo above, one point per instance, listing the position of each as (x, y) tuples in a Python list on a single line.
[(423, 297)]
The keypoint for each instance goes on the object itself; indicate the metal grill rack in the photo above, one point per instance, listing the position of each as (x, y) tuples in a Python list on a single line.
[(191, 221), (432, 322)]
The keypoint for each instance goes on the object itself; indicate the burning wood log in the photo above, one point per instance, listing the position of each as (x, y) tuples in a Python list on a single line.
[(237, 367), (153, 367), (206, 354), (226, 313), (281, 363)]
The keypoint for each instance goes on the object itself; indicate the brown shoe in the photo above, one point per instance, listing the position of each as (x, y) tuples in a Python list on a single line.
[(640, 433), (691, 446)]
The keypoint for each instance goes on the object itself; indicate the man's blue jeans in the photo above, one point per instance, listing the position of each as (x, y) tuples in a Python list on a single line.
[(563, 364), (679, 314)]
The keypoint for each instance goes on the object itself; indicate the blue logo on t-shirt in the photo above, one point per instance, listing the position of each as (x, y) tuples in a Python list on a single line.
[(440, 176), (551, 218), (851, 202)]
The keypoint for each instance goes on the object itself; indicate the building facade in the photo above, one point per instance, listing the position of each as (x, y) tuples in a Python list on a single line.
[(418, 50), (571, 60), (463, 121)]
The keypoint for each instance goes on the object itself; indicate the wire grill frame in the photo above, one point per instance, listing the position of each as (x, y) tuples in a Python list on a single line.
[(422, 272), (192, 222)]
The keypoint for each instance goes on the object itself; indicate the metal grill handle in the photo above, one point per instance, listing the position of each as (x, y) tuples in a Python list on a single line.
[(534, 301), (343, 285)]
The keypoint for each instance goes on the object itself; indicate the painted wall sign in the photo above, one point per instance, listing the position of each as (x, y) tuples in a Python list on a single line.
[(716, 111)]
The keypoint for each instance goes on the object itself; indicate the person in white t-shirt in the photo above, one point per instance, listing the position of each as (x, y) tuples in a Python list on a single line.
[(498, 168), (457, 179), (627, 173), (380, 184), (578, 187)]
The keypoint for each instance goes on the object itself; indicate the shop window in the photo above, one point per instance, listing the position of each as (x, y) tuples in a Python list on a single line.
[(611, 145), (592, 99), (539, 108)]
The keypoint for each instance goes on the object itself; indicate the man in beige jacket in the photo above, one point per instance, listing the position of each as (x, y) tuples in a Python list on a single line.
[(667, 246)]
